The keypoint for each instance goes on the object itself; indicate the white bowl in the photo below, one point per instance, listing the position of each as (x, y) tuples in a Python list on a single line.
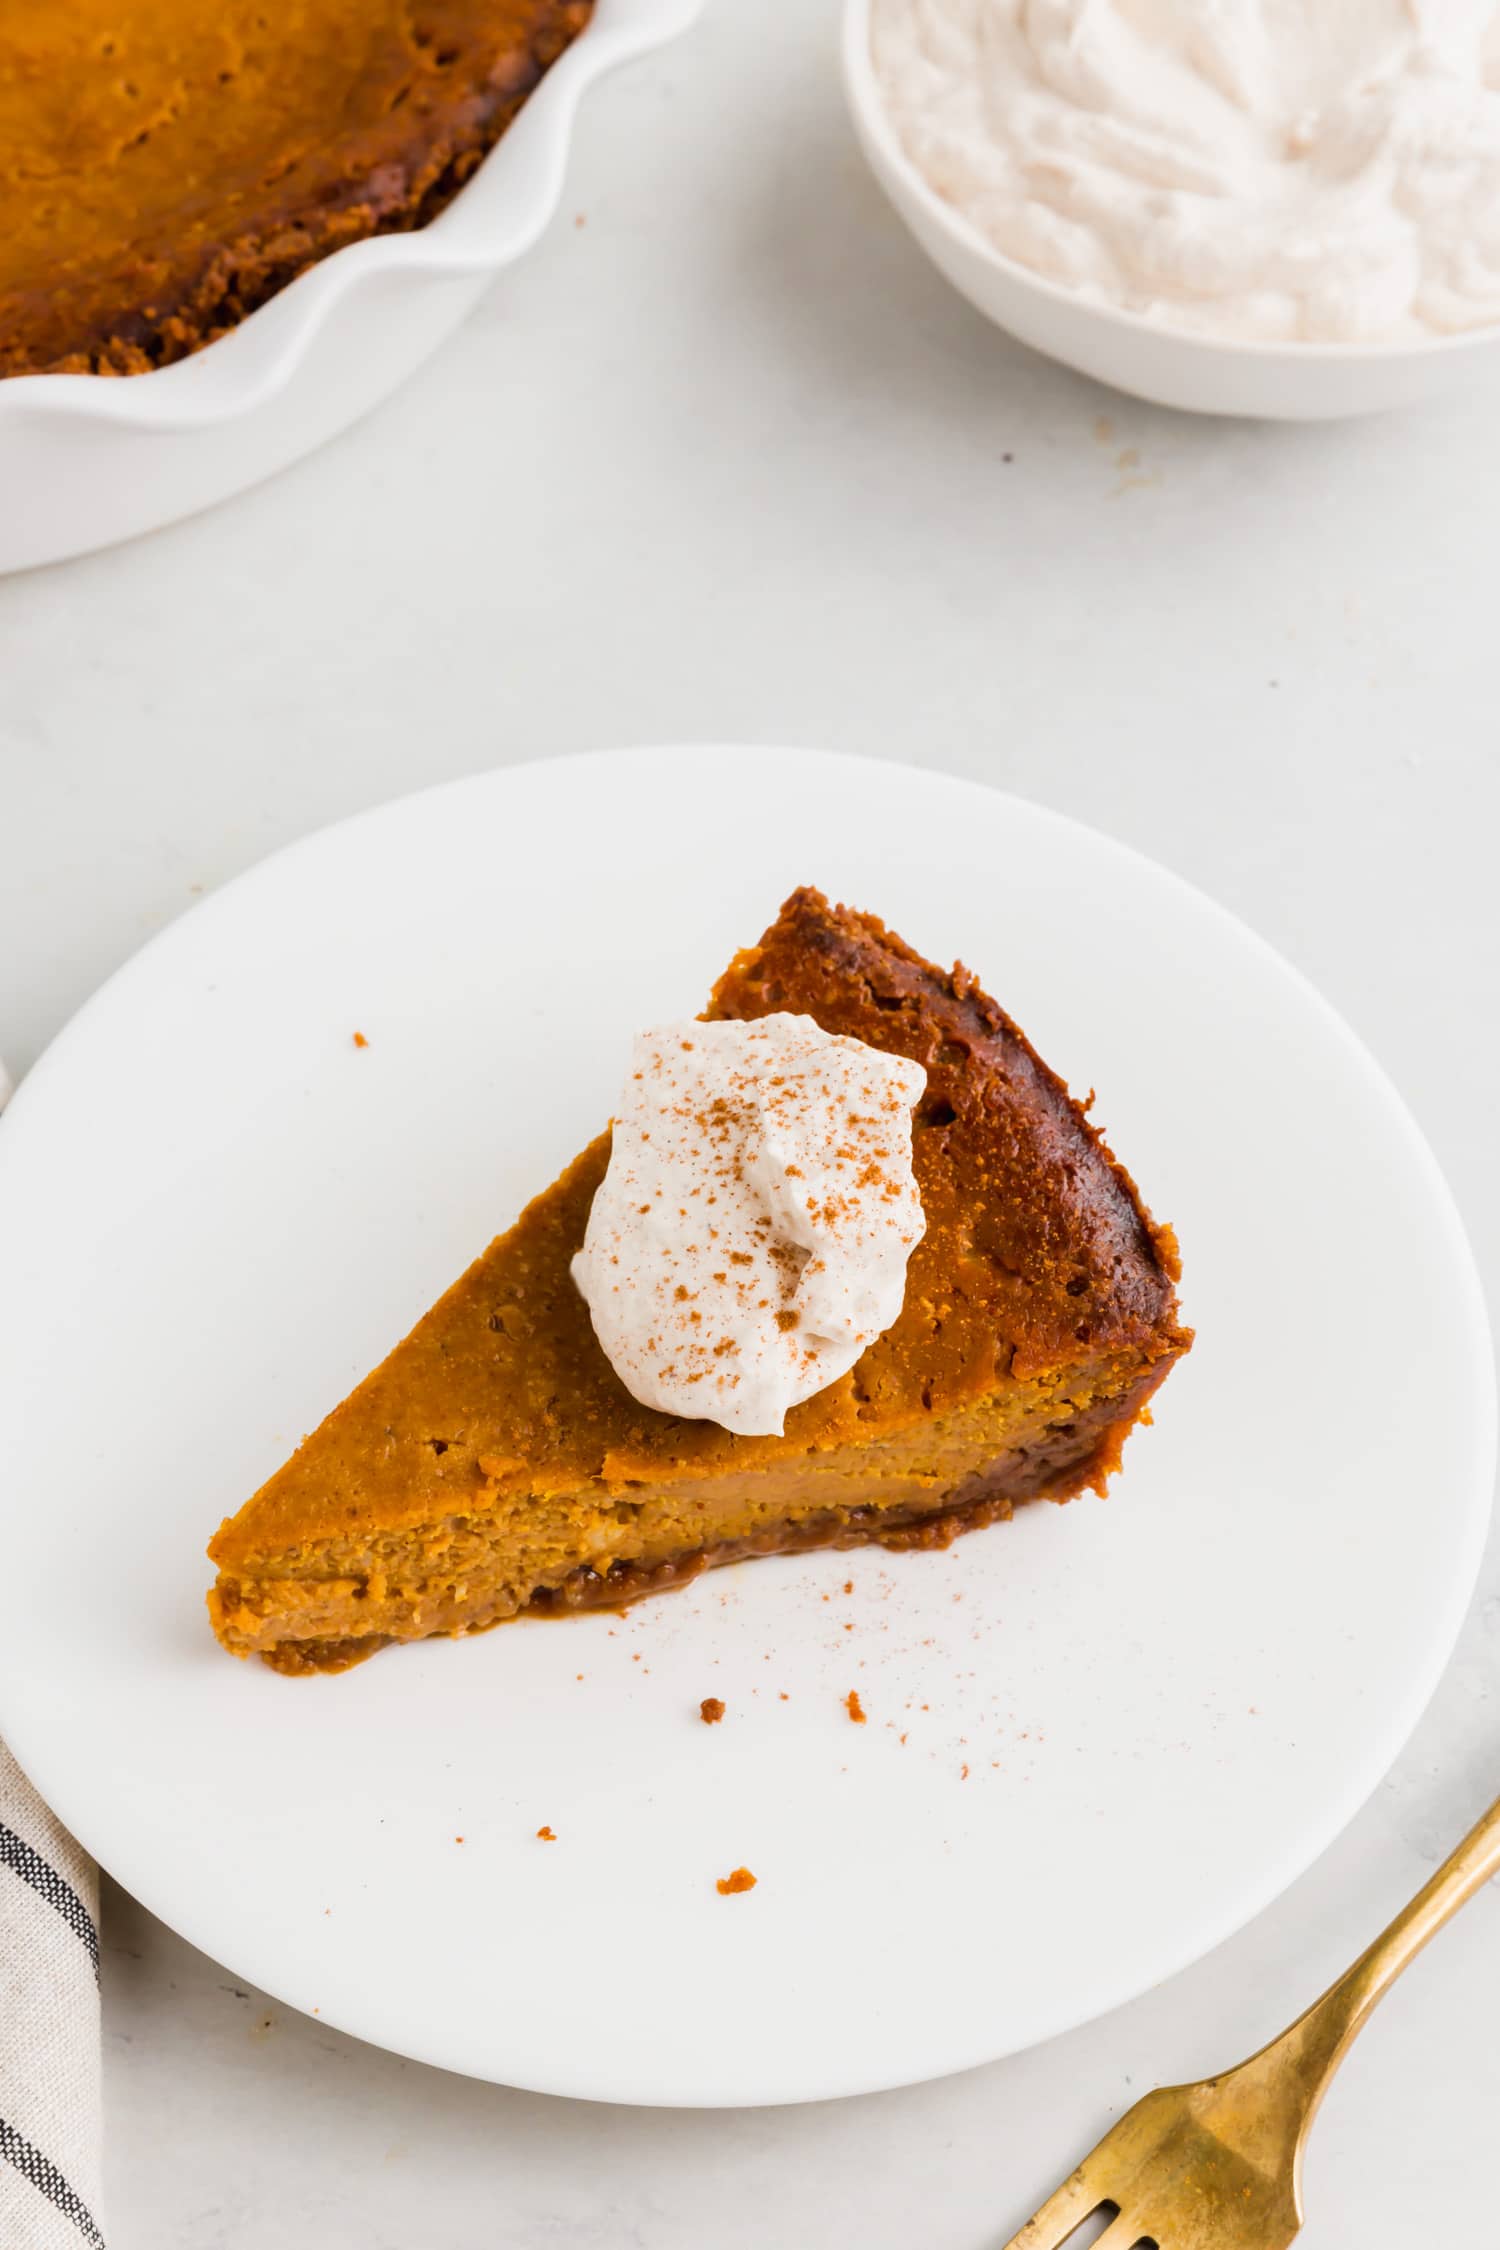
[(1290, 382), (89, 459)]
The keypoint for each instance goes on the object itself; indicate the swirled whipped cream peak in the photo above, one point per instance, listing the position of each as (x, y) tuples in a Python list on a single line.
[(751, 1235), (1299, 170)]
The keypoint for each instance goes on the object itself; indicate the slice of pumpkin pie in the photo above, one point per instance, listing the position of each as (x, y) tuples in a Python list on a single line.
[(855, 1267)]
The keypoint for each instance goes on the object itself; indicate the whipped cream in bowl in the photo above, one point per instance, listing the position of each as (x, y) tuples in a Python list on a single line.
[(750, 1238), (1283, 207), (1302, 169)]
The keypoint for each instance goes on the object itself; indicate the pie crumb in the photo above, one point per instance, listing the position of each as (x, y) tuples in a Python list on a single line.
[(854, 1707), (711, 1710), (740, 1880)]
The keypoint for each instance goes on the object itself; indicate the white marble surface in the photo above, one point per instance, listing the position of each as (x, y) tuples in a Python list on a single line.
[(726, 459)]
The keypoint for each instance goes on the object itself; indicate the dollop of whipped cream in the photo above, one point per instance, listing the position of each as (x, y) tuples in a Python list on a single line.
[(1287, 169), (750, 1237)]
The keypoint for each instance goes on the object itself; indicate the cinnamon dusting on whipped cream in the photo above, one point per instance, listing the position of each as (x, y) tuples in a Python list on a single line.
[(751, 1236)]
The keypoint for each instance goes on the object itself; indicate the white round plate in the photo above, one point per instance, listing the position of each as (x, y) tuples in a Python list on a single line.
[(1098, 1739)]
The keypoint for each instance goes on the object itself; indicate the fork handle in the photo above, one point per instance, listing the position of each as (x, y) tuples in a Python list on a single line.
[(1321, 2037)]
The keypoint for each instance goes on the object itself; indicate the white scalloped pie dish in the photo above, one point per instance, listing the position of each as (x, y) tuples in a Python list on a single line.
[(86, 460)]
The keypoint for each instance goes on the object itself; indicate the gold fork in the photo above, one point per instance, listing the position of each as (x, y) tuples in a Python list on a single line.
[(1218, 2166)]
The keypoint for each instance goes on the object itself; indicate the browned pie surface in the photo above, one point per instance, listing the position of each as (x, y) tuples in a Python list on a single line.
[(495, 1461), (167, 165)]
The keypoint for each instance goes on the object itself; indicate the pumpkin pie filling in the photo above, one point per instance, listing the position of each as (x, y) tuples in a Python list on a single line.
[(494, 1464), (166, 167)]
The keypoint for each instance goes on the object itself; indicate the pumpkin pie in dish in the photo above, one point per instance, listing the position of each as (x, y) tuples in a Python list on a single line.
[(495, 1463), (166, 167)]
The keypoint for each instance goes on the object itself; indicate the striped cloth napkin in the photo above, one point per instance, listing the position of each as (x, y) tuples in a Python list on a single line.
[(51, 2115)]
